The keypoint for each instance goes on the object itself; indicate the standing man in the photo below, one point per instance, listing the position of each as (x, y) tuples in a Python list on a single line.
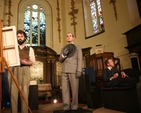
[(21, 73), (71, 59)]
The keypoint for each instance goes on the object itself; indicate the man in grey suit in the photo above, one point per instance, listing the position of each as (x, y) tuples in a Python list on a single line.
[(71, 59)]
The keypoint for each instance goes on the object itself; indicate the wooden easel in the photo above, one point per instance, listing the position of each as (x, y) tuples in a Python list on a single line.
[(2, 63)]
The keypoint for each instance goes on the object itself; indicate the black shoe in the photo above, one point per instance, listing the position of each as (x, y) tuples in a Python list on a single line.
[(74, 111), (65, 111)]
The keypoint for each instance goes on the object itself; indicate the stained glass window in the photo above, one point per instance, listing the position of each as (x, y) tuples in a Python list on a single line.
[(35, 25), (96, 15), (93, 17)]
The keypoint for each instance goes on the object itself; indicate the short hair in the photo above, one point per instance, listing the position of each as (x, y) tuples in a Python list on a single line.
[(21, 32), (107, 61), (71, 34)]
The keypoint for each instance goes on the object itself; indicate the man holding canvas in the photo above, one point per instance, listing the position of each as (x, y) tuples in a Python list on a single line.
[(21, 73)]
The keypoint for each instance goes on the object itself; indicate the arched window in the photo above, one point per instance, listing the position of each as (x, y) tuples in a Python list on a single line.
[(93, 17), (35, 19), (35, 25)]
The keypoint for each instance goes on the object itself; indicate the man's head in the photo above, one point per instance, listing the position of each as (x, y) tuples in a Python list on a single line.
[(21, 37), (109, 62), (70, 37)]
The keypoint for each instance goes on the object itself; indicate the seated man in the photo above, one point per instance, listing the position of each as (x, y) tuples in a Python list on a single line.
[(114, 78)]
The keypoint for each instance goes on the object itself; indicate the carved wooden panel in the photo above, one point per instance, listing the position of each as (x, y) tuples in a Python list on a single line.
[(86, 55), (139, 6), (134, 44), (98, 62), (48, 57), (134, 39)]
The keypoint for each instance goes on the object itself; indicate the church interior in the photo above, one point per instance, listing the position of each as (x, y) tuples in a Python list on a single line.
[(102, 28)]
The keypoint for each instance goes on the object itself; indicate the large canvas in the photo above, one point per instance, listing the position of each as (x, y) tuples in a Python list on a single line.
[(10, 46)]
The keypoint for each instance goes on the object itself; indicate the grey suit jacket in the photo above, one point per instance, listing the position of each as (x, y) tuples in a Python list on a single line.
[(72, 64)]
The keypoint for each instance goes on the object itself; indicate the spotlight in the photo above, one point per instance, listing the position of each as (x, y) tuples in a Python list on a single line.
[(54, 101)]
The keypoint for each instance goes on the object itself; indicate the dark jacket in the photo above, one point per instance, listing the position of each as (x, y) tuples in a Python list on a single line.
[(107, 74)]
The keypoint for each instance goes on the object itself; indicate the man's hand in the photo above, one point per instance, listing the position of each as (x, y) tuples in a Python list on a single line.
[(78, 74), (23, 61), (115, 75), (123, 75), (26, 62), (65, 52)]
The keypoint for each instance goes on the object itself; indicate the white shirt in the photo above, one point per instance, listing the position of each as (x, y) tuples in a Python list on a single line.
[(109, 68)]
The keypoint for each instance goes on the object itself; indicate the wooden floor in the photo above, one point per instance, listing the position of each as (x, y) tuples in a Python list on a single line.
[(49, 108)]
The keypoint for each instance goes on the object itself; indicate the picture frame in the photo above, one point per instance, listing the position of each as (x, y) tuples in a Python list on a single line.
[(10, 46)]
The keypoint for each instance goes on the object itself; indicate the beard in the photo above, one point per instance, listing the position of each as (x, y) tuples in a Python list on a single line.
[(20, 42)]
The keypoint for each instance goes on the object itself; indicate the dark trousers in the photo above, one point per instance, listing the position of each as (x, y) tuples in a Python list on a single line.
[(119, 81), (5, 90)]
